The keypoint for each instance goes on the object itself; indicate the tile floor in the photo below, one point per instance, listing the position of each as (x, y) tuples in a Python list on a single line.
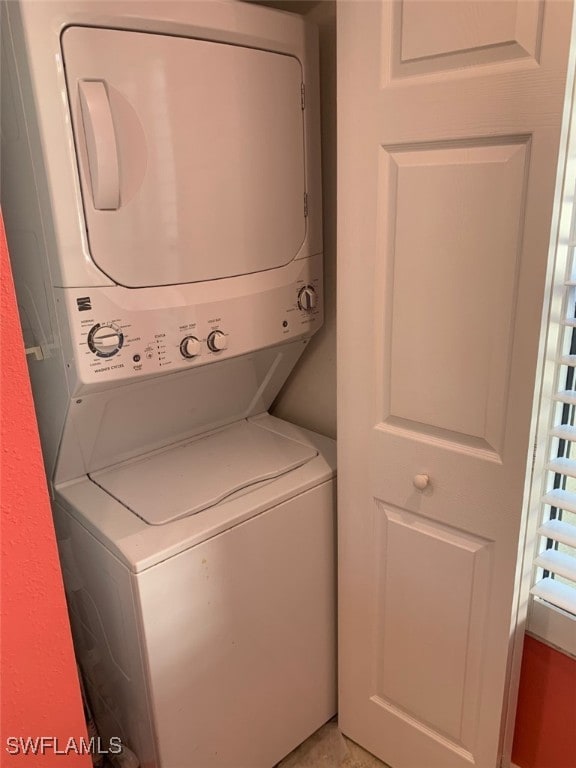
[(328, 748)]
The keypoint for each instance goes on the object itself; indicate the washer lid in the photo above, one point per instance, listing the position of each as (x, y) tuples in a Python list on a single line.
[(190, 152), (185, 479)]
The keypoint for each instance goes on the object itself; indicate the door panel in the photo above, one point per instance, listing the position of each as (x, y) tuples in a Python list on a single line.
[(469, 33), (456, 214), (432, 685), (449, 126)]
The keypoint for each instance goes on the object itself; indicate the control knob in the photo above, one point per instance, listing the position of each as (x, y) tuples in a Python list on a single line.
[(307, 298), (190, 346), (105, 340), (217, 341)]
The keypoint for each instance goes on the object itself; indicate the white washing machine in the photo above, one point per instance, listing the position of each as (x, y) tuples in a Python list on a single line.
[(207, 640), (161, 192)]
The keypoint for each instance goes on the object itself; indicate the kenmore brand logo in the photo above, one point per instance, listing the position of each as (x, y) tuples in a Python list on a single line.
[(84, 304)]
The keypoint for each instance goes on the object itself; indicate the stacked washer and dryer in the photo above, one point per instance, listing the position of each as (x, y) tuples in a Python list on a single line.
[(161, 193)]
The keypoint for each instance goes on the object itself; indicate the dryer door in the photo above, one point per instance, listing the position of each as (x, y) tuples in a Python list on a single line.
[(190, 153)]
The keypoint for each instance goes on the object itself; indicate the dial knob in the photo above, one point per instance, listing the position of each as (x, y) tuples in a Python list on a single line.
[(307, 298), (190, 346), (217, 341), (105, 340)]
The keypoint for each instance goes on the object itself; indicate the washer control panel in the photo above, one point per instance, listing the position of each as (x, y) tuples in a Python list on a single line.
[(120, 333)]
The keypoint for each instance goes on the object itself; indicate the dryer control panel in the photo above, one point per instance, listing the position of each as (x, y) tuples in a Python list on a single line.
[(121, 333)]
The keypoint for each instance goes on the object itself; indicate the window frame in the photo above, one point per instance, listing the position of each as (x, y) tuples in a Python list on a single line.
[(544, 621)]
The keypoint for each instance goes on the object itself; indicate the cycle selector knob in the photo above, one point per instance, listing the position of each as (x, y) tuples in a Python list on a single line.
[(190, 347), (307, 298), (105, 340), (217, 341)]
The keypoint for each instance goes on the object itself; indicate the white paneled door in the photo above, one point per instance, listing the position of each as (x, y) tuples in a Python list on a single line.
[(449, 127)]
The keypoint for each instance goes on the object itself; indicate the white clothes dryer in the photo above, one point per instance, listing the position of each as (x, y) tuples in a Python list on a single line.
[(161, 193)]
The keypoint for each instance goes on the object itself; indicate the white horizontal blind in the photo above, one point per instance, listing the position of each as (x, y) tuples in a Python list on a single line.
[(556, 556)]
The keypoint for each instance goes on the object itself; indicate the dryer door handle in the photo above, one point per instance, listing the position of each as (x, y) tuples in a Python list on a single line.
[(100, 144)]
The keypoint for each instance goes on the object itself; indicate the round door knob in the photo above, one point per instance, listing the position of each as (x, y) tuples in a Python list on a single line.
[(421, 481), (105, 340), (307, 298), (190, 346), (217, 341)]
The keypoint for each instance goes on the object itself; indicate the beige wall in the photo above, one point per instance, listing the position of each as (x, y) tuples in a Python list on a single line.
[(309, 396)]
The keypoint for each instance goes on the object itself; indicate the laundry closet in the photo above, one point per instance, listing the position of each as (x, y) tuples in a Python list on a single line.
[(169, 193)]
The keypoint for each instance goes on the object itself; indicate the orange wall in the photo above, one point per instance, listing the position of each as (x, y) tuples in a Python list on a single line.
[(545, 734), (39, 694)]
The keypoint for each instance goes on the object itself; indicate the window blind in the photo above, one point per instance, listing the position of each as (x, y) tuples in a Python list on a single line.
[(556, 558)]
